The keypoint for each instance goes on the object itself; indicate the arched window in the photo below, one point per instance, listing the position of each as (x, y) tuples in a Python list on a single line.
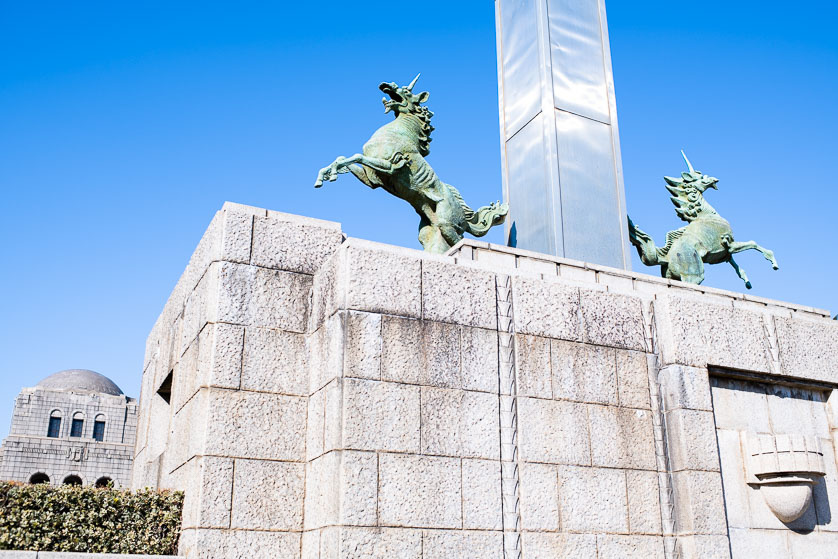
[(72, 480), (99, 428), (40, 477), (77, 427), (54, 429), (103, 481)]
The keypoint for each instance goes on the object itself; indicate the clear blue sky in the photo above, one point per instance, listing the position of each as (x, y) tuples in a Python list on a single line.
[(124, 127)]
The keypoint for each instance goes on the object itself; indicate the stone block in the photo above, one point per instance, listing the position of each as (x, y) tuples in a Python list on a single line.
[(255, 425), (481, 495), (268, 495), (358, 488), (538, 545), (553, 432), (547, 308), (539, 498), (532, 363), (633, 379), (479, 359), (326, 352), (698, 332), (699, 503), (239, 544), (808, 347), (458, 294), (593, 500), (621, 437), (370, 543), (419, 491), (274, 361), (293, 243), (759, 543), (797, 411), (327, 292), (220, 355), (459, 423), (310, 545), (611, 319), (584, 373), (703, 547), (362, 357), (333, 422), (685, 388), (804, 546), (236, 233), (200, 307), (737, 407), (420, 352), (447, 544), (315, 424), (382, 279), (692, 440), (380, 416), (209, 493), (643, 503), (322, 491), (612, 546), (256, 296), (733, 478)]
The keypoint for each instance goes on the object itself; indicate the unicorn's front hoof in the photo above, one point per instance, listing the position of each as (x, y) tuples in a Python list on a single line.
[(748, 284)]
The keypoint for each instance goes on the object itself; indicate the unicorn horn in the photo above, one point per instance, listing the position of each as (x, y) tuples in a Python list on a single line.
[(410, 87), (690, 165)]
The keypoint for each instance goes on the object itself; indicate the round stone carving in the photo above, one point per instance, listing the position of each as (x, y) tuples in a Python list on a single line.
[(785, 468), (788, 496)]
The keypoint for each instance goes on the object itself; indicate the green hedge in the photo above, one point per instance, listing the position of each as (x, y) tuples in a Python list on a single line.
[(87, 519)]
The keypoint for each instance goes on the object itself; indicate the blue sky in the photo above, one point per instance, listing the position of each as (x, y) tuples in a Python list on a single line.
[(123, 128)]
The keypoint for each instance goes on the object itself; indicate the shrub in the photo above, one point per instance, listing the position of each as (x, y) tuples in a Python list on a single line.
[(87, 519)]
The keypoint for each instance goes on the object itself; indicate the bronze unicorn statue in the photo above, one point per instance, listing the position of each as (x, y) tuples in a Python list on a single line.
[(394, 159), (707, 237)]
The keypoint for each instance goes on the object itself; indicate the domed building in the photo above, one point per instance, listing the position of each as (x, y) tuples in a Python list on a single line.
[(74, 427)]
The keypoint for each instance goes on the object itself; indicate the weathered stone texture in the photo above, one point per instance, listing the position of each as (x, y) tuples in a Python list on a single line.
[(268, 495), (419, 491)]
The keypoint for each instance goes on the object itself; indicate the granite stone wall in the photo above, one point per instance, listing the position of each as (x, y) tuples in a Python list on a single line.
[(336, 398)]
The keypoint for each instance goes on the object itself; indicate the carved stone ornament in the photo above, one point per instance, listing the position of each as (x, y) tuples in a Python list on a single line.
[(785, 468)]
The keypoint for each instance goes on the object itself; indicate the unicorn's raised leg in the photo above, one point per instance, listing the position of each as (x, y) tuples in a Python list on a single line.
[(342, 165), (740, 272), (751, 245)]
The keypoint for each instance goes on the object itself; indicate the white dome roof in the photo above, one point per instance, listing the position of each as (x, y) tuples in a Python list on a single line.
[(80, 379)]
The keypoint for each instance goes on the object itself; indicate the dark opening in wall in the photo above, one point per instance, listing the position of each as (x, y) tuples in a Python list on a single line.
[(40, 477), (99, 430), (165, 390), (103, 481), (72, 480)]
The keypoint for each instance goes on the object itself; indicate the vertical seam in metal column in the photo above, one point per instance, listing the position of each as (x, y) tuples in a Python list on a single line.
[(664, 467), (548, 131), (508, 409), (502, 113)]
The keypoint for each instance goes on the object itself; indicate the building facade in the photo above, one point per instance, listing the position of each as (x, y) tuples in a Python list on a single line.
[(73, 427)]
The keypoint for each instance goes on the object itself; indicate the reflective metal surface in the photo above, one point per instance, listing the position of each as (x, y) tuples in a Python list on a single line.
[(560, 146)]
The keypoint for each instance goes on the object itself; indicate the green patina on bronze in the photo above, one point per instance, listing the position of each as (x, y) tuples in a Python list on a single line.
[(394, 159), (707, 238)]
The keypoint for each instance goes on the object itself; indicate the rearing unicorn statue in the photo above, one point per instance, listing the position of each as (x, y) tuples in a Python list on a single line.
[(394, 159), (707, 237)]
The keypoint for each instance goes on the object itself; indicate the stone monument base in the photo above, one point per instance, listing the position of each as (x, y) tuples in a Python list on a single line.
[(321, 397)]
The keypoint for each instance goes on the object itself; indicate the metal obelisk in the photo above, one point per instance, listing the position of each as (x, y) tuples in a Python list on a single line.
[(562, 174)]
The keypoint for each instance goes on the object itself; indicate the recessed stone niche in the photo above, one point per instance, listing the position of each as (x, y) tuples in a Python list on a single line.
[(776, 448)]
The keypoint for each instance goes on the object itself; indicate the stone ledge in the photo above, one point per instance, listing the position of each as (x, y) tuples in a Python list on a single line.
[(471, 251)]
